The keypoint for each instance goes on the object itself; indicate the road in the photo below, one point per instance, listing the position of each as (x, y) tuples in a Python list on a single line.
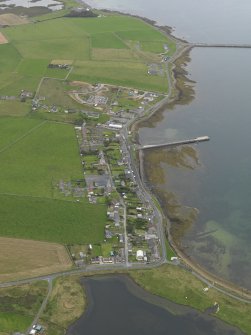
[(125, 234), (42, 308)]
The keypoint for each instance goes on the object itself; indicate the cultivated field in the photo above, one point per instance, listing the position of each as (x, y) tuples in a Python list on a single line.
[(12, 20), (23, 258)]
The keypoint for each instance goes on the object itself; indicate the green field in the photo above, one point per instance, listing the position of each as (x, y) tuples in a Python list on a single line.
[(24, 61), (19, 306), (107, 41), (14, 322), (175, 284), (13, 108), (39, 157), (51, 220), (128, 74), (34, 156), (66, 304)]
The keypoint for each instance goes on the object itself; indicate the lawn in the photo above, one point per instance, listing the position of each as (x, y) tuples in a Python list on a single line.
[(65, 222)]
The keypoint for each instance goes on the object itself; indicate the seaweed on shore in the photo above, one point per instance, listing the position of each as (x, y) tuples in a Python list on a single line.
[(180, 218)]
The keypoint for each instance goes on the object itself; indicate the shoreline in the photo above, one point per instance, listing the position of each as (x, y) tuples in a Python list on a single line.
[(183, 48), (141, 293), (198, 270)]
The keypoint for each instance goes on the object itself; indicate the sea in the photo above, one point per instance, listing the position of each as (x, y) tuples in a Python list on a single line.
[(219, 184), (52, 4)]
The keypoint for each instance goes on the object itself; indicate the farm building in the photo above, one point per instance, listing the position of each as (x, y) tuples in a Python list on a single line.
[(115, 125)]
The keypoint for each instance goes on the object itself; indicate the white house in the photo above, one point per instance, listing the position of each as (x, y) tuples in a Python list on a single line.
[(140, 255)]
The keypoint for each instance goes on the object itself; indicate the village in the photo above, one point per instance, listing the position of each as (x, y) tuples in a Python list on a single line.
[(102, 115), (130, 232)]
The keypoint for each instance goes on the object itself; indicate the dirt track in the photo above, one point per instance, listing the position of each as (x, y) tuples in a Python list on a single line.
[(3, 39)]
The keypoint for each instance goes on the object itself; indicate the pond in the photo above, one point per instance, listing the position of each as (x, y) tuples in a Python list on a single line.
[(116, 305)]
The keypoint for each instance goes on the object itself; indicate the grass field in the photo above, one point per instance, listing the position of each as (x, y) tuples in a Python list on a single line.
[(127, 74), (34, 156), (19, 306), (107, 41), (103, 54), (13, 108), (74, 47), (12, 129), (32, 47), (66, 304), (23, 259), (51, 220), (14, 322), (100, 50), (40, 155), (175, 284), (55, 93)]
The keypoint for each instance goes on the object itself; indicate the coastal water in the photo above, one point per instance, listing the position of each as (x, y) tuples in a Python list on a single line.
[(118, 306), (54, 5), (219, 186), (194, 20)]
